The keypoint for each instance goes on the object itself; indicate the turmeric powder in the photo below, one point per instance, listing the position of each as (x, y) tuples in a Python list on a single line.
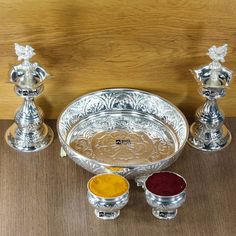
[(108, 185)]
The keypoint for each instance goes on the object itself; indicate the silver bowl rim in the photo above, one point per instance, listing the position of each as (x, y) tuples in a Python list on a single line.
[(61, 139)]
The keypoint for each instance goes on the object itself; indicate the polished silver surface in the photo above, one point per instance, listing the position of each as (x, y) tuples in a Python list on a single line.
[(165, 207), (107, 208), (124, 131), (208, 132), (29, 133)]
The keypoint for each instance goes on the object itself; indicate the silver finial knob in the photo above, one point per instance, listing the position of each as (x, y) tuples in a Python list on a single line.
[(24, 52), (218, 54)]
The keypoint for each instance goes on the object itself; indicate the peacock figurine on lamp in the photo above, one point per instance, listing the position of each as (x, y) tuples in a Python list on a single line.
[(29, 133), (208, 133)]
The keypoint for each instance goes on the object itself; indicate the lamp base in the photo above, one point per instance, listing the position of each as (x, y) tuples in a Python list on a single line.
[(26, 141), (208, 139)]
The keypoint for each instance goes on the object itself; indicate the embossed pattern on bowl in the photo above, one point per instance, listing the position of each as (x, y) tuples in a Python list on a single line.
[(125, 131)]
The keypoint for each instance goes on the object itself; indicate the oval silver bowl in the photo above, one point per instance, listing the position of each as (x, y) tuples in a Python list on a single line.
[(130, 132)]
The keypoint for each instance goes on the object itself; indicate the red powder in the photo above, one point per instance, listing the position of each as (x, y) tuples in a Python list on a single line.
[(165, 184)]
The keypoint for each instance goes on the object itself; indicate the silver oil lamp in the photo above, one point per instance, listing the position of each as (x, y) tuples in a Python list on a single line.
[(29, 133), (208, 133)]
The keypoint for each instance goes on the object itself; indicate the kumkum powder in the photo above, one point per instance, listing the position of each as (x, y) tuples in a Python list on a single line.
[(108, 185), (165, 183)]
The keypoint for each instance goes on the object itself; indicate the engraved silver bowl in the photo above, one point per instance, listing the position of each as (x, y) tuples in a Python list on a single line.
[(125, 131)]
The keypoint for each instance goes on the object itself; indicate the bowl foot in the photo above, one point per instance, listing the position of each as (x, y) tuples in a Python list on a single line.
[(104, 215), (140, 180), (164, 214)]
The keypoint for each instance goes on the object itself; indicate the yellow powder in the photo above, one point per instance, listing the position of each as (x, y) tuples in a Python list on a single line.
[(115, 168), (108, 185)]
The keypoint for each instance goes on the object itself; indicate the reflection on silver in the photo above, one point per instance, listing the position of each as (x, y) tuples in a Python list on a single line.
[(28, 133), (165, 207), (108, 208), (125, 131), (208, 133)]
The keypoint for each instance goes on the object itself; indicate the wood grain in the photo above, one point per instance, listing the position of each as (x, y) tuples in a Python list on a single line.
[(96, 44), (43, 194)]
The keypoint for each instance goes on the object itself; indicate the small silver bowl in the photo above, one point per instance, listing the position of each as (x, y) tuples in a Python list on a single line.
[(165, 207), (107, 208)]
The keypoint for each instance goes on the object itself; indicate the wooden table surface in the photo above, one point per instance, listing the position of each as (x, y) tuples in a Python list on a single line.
[(43, 194), (89, 45)]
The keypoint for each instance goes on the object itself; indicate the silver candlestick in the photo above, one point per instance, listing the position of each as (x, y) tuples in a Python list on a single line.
[(29, 133), (208, 133)]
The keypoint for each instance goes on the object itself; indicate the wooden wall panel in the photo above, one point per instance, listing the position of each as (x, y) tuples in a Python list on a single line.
[(96, 44)]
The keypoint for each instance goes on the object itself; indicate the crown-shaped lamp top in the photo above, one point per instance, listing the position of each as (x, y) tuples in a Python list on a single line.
[(24, 53), (214, 75), (27, 75)]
